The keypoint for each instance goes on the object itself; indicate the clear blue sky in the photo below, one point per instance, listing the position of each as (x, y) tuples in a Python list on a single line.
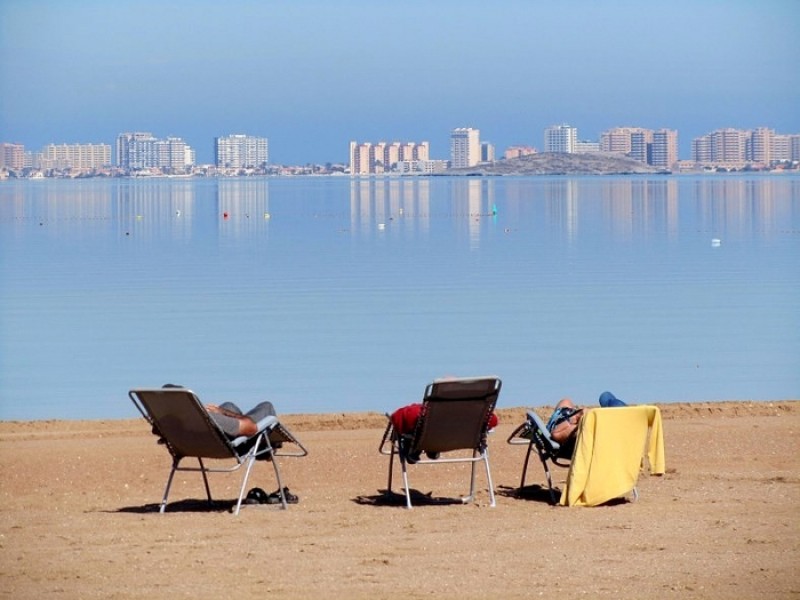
[(313, 75)]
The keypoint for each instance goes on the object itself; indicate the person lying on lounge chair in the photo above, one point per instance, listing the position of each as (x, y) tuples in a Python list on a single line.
[(563, 423), (232, 420)]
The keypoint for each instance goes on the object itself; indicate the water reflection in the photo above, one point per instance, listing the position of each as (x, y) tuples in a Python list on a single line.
[(243, 205), (572, 206)]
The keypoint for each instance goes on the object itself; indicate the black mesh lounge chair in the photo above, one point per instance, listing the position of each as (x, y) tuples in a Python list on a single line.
[(455, 416), (533, 433), (177, 416)]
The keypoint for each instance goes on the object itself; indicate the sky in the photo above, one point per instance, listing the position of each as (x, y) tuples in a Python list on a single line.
[(312, 75)]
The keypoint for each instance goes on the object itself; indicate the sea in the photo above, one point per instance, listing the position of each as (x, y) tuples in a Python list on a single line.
[(338, 294)]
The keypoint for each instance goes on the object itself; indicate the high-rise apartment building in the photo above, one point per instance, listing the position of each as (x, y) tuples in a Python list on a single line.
[(368, 158), (142, 150), (560, 138), (725, 147), (133, 150), (785, 148), (75, 156), (664, 151), (630, 141), (487, 152), (658, 148), (735, 148), (465, 147), (241, 151), (12, 156), (759, 146)]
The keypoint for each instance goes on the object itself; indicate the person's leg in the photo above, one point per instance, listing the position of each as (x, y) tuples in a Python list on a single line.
[(231, 407), (609, 400), (261, 410)]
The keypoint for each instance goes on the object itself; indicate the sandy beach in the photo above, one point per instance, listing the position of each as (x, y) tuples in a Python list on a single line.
[(79, 498)]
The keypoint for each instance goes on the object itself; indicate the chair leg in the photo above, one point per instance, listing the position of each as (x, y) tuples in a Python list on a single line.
[(391, 465), (525, 465), (205, 479), (277, 470), (492, 501), (169, 484), (405, 482), (471, 495), (245, 477), (549, 481)]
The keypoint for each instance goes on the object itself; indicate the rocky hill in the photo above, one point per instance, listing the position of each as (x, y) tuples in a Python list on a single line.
[(561, 164)]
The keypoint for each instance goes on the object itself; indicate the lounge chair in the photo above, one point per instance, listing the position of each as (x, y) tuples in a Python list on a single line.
[(533, 433), (612, 446), (454, 416), (183, 425)]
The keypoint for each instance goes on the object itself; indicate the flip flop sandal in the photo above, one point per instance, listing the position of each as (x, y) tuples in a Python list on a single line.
[(256, 496), (275, 497)]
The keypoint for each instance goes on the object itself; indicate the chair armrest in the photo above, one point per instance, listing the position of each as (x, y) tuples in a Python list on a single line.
[(264, 424)]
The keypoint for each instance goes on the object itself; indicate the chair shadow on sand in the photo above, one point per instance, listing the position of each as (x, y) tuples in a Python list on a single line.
[(191, 505), (533, 493), (538, 493), (390, 498)]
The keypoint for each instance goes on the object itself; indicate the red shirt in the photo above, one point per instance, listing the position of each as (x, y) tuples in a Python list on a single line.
[(404, 419)]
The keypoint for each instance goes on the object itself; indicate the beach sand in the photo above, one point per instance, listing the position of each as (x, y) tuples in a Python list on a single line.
[(79, 498)]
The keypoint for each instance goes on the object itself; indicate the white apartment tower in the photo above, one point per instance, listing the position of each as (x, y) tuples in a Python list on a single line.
[(241, 151), (465, 147), (560, 138), (144, 151)]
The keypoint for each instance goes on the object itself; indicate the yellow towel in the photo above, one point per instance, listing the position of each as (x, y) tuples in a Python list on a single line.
[(608, 453)]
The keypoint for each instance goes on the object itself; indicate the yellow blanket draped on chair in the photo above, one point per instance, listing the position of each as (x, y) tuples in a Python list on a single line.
[(609, 451)]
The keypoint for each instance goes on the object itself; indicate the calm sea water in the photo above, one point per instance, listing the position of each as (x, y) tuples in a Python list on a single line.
[(332, 294)]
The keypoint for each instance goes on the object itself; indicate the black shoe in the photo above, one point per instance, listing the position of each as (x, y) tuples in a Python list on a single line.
[(275, 497), (256, 496)]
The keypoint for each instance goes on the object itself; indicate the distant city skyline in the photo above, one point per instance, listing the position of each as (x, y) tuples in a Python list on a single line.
[(294, 72), (138, 152)]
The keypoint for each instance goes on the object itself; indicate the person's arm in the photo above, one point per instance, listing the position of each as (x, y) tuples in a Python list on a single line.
[(246, 425), (566, 429)]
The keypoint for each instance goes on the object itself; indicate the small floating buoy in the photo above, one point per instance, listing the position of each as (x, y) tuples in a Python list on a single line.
[(177, 213), (381, 226), (225, 215), (266, 215), (716, 242)]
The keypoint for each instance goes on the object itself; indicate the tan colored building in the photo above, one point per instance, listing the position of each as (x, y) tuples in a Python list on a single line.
[(517, 151), (12, 156), (368, 158), (83, 157), (625, 140)]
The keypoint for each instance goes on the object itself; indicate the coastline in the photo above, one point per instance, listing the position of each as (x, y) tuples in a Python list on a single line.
[(344, 421)]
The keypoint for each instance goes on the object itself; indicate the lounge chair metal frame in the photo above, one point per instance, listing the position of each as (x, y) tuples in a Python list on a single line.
[(533, 433), (183, 425), (455, 416)]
